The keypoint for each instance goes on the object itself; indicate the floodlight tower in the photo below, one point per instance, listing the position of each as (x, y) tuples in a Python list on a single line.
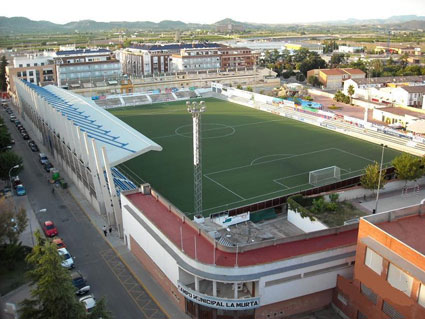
[(196, 109)]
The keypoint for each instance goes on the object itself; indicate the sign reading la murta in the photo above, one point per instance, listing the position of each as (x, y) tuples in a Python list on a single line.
[(218, 303)]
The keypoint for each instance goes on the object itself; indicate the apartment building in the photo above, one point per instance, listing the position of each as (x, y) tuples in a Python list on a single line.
[(389, 271), (37, 69), (146, 60)]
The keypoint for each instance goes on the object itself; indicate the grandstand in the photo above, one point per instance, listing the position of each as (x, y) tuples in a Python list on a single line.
[(156, 98), (186, 94), (107, 103), (135, 100), (122, 183)]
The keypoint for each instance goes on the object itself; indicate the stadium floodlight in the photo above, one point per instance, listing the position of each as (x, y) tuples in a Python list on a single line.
[(196, 109), (379, 180)]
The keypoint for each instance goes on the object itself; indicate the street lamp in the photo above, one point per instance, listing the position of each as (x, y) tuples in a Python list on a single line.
[(379, 180), (12, 168)]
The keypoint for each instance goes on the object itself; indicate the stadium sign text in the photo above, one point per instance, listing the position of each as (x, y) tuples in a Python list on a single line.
[(218, 303)]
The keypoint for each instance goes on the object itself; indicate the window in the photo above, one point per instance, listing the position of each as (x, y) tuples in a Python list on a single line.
[(368, 293), (399, 279), (391, 312), (30, 73), (421, 299), (21, 65), (373, 261), (342, 299)]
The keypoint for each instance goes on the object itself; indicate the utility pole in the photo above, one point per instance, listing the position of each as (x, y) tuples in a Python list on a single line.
[(196, 109)]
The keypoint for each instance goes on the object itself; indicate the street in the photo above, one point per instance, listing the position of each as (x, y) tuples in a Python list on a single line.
[(94, 258)]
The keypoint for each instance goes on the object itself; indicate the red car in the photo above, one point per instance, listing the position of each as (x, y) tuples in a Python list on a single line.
[(58, 242), (49, 229)]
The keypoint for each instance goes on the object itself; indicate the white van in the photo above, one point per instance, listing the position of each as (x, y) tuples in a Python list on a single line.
[(43, 158)]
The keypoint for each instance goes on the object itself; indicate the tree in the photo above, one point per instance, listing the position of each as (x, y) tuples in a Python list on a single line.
[(409, 167), (337, 59), (52, 295), (350, 92), (314, 81), (370, 178), (300, 77), (12, 223), (7, 161), (3, 64), (100, 311), (249, 89)]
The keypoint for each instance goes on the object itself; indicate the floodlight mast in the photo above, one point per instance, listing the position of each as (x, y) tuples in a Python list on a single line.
[(196, 109)]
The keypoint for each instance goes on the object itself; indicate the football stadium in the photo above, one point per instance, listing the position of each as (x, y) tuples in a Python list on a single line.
[(248, 155)]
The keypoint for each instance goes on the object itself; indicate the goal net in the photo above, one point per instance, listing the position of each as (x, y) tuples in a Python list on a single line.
[(324, 176)]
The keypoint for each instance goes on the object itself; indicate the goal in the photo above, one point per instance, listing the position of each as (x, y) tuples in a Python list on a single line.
[(324, 176)]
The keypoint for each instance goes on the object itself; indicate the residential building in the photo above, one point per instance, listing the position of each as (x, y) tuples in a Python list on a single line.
[(147, 60), (389, 271), (362, 85), (232, 58), (150, 59), (37, 69), (195, 59), (85, 65), (333, 79)]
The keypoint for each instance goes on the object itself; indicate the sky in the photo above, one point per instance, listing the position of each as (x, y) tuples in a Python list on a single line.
[(196, 11)]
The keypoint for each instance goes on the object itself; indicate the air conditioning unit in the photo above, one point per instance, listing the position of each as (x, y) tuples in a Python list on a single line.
[(145, 189)]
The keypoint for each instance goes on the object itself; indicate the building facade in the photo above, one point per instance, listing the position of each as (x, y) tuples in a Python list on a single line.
[(389, 272), (333, 79), (148, 60), (207, 278)]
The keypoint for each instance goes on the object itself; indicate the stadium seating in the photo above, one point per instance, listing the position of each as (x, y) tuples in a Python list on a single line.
[(109, 102), (136, 100), (156, 98), (185, 94)]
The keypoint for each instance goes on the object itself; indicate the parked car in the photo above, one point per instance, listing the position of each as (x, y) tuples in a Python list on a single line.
[(33, 146), (58, 242), (67, 262), (89, 302), (12, 118), (17, 123), (20, 190), (79, 283), (47, 166), (49, 229), (12, 141), (15, 181), (43, 158), (25, 136)]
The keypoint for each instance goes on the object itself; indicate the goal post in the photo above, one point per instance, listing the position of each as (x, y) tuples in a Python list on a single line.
[(324, 176)]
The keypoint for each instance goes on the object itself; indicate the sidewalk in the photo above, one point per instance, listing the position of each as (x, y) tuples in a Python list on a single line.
[(394, 200), (119, 247)]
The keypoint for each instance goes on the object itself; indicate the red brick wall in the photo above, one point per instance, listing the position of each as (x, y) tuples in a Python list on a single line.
[(298, 305), (404, 304), (157, 274)]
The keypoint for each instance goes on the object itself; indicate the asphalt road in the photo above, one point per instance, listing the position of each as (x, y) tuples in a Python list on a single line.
[(81, 238)]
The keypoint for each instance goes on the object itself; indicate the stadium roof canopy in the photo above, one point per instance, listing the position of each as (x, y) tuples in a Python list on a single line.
[(121, 141)]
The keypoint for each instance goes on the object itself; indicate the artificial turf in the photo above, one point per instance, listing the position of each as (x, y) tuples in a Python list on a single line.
[(248, 155)]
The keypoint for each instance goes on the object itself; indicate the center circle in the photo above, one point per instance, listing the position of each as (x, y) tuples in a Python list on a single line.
[(208, 130)]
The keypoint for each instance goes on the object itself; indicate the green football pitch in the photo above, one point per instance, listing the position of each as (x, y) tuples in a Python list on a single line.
[(247, 155)]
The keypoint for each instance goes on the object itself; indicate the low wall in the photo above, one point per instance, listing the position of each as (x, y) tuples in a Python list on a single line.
[(359, 192), (305, 223), (321, 93)]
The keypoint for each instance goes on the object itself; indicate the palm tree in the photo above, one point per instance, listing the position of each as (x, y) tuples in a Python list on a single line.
[(350, 92)]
